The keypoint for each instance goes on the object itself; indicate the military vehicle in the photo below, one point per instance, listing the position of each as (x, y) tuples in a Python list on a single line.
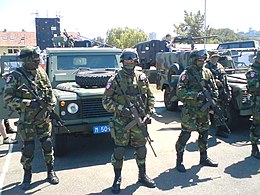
[(78, 77), (169, 66)]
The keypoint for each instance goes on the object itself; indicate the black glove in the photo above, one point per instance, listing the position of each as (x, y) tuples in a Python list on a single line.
[(126, 112), (201, 97), (34, 104)]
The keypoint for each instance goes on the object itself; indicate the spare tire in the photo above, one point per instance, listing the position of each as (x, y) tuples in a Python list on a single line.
[(93, 78)]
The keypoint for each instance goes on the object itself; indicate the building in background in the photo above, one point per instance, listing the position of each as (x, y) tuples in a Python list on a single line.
[(12, 42)]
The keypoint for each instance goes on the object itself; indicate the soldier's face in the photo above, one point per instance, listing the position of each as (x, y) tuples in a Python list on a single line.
[(214, 59), (200, 62), (129, 64)]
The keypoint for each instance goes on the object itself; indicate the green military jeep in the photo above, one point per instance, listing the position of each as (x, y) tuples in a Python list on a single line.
[(78, 77), (169, 66)]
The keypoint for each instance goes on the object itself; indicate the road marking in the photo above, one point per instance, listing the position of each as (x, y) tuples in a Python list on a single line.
[(6, 166)]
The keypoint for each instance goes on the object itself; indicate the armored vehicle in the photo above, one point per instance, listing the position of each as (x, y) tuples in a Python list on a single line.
[(78, 77), (169, 66)]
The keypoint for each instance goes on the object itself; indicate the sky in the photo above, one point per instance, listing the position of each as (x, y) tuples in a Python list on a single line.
[(93, 18)]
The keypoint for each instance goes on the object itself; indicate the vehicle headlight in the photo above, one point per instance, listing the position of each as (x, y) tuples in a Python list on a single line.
[(73, 108)]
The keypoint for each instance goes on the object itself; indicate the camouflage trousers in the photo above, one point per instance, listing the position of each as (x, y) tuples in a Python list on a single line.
[(122, 138), (255, 127), (31, 132), (193, 120)]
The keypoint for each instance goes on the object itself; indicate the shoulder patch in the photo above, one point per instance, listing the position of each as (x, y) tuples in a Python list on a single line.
[(8, 79), (183, 77), (251, 74), (109, 85)]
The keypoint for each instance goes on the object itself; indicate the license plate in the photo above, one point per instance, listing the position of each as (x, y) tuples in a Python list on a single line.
[(101, 129)]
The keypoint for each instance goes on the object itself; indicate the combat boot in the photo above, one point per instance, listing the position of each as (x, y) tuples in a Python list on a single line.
[(206, 161), (144, 179), (26, 179), (255, 151), (117, 181), (8, 127), (51, 176), (179, 162)]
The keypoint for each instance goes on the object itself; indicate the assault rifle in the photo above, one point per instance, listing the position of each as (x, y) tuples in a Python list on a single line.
[(140, 119), (210, 101), (44, 106), (191, 40)]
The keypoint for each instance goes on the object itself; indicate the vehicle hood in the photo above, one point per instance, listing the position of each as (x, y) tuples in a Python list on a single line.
[(70, 88), (237, 78)]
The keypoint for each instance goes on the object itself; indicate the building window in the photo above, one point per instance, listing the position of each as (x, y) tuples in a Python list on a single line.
[(12, 38), (4, 38), (10, 51)]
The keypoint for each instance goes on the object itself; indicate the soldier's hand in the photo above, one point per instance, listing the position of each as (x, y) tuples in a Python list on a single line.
[(26, 102), (201, 97), (126, 112)]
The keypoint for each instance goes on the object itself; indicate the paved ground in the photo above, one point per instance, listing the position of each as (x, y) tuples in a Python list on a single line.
[(86, 169)]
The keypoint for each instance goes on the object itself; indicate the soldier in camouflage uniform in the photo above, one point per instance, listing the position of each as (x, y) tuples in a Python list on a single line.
[(253, 84), (191, 94), (220, 77), (135, 86), (34, 122)]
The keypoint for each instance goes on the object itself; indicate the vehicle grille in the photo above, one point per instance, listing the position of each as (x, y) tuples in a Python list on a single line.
[(93, 108)]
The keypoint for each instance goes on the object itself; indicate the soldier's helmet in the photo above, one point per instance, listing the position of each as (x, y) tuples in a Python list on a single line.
[(30, 56), (129, 58), (257, 57), (214, 53), (194, 55)]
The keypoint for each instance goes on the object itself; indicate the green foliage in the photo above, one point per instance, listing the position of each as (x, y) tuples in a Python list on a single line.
[(193, 26), (125, 37)]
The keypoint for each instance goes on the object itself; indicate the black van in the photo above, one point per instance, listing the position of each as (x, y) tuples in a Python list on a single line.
[(147, 51)]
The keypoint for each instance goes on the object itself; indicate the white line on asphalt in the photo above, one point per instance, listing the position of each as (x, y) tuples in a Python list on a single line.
[(6, 167)]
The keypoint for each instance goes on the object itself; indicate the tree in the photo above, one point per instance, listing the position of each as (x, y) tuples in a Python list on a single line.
[(125, 37), (193, 26)]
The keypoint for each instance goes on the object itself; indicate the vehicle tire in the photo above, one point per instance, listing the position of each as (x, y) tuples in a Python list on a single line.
[(171, 106), (59, 144), (93, 79), (174, 70)]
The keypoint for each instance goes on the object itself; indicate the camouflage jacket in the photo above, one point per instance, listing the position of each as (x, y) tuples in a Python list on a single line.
[(15, 93), (188, 87), (135, 87), (253, 79)]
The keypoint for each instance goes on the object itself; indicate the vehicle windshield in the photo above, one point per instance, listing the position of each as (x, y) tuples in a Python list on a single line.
[(86, 61)]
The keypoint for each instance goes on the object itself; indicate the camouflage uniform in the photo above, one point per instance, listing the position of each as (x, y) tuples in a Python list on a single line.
[(253, 84), (34, 122), (135, 86), (220, 77), (192, 118)]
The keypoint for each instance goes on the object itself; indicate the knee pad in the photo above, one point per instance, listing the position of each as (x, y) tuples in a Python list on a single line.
[(141, 152), (119, 152), (46, 144), (28, 149)]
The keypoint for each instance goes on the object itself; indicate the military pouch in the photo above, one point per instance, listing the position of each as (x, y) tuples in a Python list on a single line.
[(112, 129)]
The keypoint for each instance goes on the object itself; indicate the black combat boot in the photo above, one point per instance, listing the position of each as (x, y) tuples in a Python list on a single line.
[(117, 181), (51, 176), (26, 179), (206, 161), (255, 151), (8, 128), (179, 162), (144, 179)]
